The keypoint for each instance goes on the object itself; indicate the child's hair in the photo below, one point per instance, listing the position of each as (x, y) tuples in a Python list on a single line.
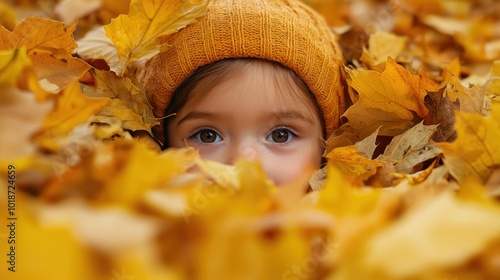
[(284, 31), (205, 78)]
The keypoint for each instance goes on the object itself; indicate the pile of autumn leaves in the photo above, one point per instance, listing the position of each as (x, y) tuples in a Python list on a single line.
[(411, 188)]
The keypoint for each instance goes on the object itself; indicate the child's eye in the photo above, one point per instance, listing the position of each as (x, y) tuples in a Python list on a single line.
[(280, 135), (207, 136)]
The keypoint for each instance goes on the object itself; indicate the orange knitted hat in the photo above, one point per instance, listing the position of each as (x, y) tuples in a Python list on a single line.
[(284, 31)]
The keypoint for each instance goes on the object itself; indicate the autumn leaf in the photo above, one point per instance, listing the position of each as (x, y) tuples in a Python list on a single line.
[(72, 108), (21, 116), (442, 112), (40, 238), (338, 190), (363, 121), (382, 45), (472, 99), (494, 87), (135, 35), (70, 10), (453, 230), (7, 16), (128, 102), (49, 44), (476, 151), (39, 34), (12, 64), (353, 164), (395, 90), (95, 45), (411, 148)]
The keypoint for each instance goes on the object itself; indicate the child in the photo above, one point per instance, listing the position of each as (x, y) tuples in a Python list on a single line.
[(251, 78)]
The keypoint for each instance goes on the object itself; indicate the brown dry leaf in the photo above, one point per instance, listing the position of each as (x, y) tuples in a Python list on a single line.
[(49, 44), (395, 90), (441, 112), (476, 151), (135, 35), (411, 148)]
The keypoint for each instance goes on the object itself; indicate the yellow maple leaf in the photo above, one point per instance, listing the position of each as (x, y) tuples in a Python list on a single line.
[(135, 35), (476, 151), (395, 90)]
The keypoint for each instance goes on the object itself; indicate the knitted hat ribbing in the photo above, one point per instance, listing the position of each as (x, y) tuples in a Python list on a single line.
[(284, 31)]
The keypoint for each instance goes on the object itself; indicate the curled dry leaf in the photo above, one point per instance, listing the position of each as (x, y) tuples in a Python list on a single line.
[(411, 148)]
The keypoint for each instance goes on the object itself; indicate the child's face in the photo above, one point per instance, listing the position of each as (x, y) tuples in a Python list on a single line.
[(248, 115)]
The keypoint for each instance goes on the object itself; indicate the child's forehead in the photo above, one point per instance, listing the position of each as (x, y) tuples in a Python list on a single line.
[(261, 82)]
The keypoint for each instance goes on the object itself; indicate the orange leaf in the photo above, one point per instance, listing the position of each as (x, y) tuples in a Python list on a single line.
[(352, 164), (72, 108), (49, 44), (395, 90), (39, 34)]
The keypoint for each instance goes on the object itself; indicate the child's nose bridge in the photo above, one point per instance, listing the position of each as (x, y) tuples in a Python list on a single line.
[(247, 148)]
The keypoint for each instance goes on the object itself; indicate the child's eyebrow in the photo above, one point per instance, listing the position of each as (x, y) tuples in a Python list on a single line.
[(291, 114), (197, 115), (280, 115)]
